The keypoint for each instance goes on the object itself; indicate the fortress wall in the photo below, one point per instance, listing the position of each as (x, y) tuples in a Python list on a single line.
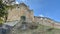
[(18, 11)]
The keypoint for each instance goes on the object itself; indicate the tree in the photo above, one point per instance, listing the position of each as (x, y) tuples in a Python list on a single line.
[(3, 11)]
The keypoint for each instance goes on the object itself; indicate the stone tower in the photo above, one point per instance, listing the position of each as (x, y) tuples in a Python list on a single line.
[(18, 11)]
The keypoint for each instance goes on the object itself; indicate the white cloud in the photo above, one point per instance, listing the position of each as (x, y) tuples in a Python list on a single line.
[(41, 15), (17, 2)]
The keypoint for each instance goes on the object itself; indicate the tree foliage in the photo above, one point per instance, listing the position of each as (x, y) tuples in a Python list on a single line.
[(3, 11)]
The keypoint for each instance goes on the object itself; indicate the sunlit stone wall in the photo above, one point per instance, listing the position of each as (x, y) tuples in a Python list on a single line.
[(18, 11)]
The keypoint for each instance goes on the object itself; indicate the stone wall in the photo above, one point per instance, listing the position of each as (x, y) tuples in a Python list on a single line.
[(18, 11)]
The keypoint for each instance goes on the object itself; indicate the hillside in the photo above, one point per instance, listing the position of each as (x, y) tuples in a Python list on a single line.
[(40, 30), (47, 21), (45, 26)]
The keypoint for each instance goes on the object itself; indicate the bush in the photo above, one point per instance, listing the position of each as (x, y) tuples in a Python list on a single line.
[(1, 22), (50, 29), (33, 27)]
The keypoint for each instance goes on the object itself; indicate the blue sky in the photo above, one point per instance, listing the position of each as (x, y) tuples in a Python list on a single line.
[(47, 8)]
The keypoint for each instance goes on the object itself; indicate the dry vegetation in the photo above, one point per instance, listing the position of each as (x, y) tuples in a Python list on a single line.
[(40, 30)]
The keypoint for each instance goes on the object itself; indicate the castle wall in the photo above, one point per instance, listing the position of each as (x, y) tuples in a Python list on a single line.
[(18, 11), (13, 14)]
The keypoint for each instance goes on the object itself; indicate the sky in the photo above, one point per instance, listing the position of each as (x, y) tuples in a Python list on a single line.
[(47, 8)]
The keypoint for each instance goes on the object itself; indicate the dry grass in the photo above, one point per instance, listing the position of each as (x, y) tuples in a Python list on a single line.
[(40, 30)]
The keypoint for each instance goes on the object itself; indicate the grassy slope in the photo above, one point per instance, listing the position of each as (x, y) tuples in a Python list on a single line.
[(41, 30), (1, 21), (44, 30)]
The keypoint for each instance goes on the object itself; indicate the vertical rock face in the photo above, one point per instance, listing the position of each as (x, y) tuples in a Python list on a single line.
[(18, 11)]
